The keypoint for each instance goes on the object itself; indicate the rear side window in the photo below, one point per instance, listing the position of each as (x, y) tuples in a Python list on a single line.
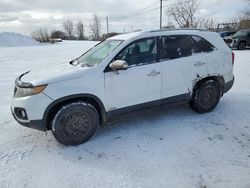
[(201, 45), (174, 47)]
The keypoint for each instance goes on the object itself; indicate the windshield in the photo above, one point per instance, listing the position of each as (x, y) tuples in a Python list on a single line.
[(241, 33), (97, 54)]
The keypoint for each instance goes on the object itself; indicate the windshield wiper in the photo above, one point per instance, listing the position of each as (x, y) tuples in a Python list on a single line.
[(74, 62), (85, 65)]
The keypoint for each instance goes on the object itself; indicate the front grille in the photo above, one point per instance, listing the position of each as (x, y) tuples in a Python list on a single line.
[(228, 41)]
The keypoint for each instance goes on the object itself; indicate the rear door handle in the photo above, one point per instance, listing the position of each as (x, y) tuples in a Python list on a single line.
[(154, 73), (199, 63)]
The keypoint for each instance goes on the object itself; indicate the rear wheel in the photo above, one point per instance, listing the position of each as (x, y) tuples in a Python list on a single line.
[(75, 123), (206, 97), (241, 46)]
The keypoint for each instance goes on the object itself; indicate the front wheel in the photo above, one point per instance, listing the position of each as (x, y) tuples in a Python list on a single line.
[(75, 123), (206, 97), (241, 46)]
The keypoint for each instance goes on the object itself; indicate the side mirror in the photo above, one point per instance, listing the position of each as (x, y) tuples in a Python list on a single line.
[(118, 65)]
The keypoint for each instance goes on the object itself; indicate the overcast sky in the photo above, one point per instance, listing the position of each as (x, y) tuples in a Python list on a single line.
[(27, 15)]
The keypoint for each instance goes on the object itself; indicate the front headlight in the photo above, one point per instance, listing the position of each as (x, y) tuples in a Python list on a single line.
[(24, 92)]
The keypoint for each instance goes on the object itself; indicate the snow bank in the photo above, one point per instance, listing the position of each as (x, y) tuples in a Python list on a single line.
[(15, 39)]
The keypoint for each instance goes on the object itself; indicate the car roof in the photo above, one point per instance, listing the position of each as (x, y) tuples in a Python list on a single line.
[(126, 36), (132, 35)]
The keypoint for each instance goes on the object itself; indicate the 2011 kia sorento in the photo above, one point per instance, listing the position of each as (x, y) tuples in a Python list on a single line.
[(121, 74)]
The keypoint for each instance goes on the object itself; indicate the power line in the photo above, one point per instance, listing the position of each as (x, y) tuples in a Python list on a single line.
[(145, 11), (123, 18), (154, 9), (156, 2), (135, 13)]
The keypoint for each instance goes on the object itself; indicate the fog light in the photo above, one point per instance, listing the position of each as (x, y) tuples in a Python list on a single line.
[(21, 113)]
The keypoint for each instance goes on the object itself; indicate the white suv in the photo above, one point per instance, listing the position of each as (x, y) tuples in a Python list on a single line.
[(124, 73)]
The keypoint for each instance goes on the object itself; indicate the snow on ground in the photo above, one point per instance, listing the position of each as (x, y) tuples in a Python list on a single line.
[(15, 39), (155, 148)]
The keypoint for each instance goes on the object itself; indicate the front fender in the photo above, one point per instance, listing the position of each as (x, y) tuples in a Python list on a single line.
[(56, 104)]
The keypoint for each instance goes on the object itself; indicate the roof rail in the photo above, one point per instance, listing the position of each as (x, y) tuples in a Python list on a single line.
[(181, 29)]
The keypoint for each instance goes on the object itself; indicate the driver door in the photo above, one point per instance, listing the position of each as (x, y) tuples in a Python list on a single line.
[(138, 86)]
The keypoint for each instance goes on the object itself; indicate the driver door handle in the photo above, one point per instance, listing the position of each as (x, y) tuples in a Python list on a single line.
[(154, 73)]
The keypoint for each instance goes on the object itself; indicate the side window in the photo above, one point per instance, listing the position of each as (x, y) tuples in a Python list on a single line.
[(140, 52), (201, 45), (173, 47)]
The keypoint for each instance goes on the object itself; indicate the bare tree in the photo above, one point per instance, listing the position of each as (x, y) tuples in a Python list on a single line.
[(207, 23), (68, 27), (57, 34), (244, 23), (183, 12), (247, 11), (235, 21), (244, 19), (80, 30), (41, 35), (231, 24), (95, 27)]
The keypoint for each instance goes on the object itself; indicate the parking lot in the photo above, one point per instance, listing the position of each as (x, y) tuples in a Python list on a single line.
[(167, 147)]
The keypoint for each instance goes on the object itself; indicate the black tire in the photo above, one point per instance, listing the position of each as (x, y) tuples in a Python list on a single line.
[(241, 46), (206, 97), (75, 123)]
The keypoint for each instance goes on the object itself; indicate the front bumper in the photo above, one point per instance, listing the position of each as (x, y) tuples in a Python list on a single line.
[(34, 124), (234, 43), (34, 107)]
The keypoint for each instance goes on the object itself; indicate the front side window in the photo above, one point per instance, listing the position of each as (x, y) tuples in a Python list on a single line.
[(97, 54), (140, 52)]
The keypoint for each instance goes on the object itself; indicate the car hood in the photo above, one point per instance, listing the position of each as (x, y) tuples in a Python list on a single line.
[(50, 74)]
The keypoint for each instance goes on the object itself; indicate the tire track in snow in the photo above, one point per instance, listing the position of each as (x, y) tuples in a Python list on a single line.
[(14, 156)]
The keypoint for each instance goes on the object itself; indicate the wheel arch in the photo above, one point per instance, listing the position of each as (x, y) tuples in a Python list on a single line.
[(57, 104), (242, 41), (219, 79)]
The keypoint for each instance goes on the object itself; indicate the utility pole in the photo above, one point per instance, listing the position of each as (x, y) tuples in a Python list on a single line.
[(107, 20), (161, 14)]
